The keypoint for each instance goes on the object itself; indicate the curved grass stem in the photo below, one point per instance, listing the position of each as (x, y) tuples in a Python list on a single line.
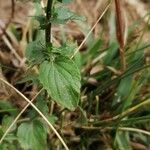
[(89, 33), (18, 116), (104, 129), (39, 112)]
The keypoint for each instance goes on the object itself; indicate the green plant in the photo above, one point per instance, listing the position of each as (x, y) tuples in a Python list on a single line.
[(58, 74), (90, 97)]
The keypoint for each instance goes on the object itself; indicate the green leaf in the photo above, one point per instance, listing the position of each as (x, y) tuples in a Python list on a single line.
[(32, 135), (34, 52), (61, 15), (67, 50), (61, 78)]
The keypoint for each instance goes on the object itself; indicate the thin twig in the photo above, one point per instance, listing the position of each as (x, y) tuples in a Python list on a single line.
[(100, 17), (39, 112)]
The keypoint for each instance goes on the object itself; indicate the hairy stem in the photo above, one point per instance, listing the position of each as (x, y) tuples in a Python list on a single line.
[(48, 23)]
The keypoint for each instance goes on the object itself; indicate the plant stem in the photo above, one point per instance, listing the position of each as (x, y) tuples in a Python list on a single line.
[(48, 23), (120, 33)]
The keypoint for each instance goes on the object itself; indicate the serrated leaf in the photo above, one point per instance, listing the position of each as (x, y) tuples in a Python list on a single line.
[(32, 135), (67, 50), (61, 78), (61, 15)]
